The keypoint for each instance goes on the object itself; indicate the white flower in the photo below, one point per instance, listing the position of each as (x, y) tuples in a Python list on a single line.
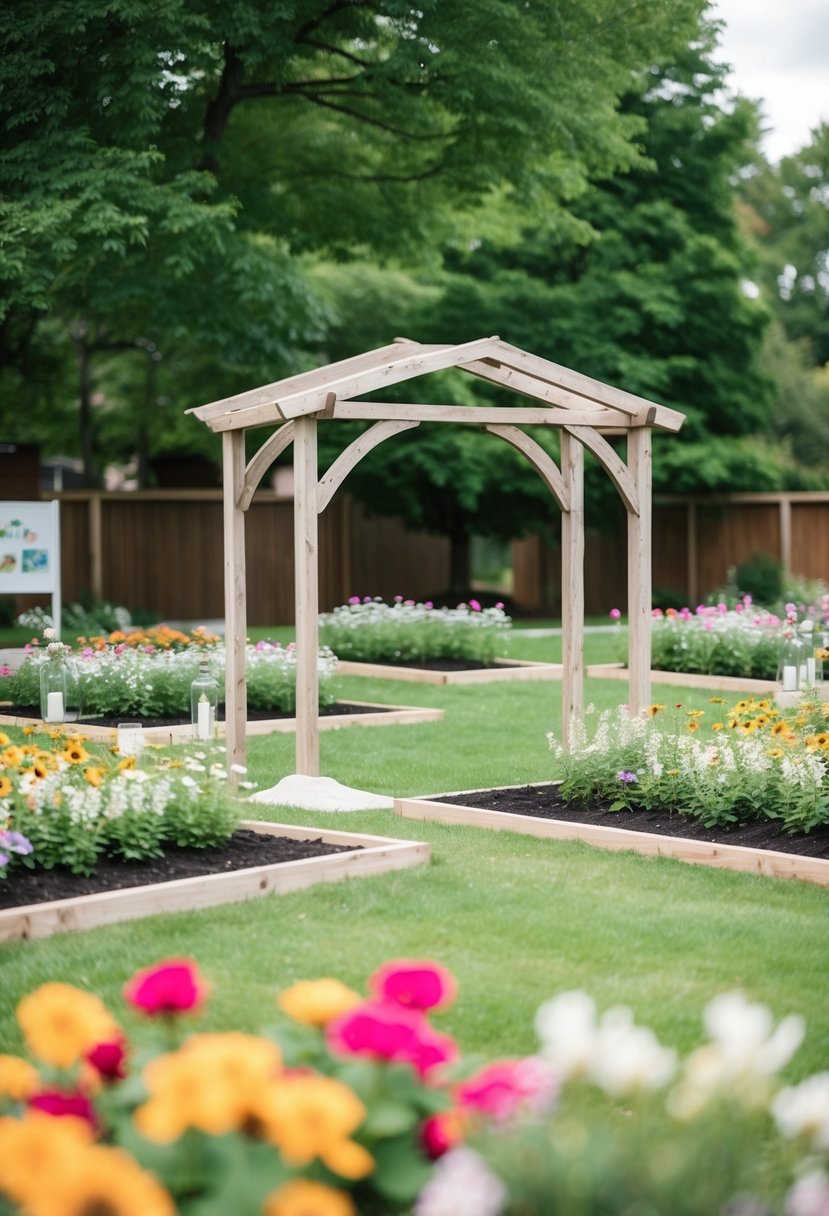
[(566, 1026), (461, 1185), (745, 1053), (809, 1196), (629, 1058), (803, 1110)]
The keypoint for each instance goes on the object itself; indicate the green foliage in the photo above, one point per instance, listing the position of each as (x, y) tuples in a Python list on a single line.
[(713, 642), (761, 577), (405, 632)]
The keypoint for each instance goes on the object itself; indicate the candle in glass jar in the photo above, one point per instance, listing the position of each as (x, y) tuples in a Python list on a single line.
[(790, 678), (54, 707), (203, 724)]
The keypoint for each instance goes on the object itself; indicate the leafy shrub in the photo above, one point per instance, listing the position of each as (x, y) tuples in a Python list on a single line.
[(371, 631)]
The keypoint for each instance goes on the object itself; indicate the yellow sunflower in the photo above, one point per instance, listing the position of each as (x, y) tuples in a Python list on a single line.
[(75, 753), (93, 775)]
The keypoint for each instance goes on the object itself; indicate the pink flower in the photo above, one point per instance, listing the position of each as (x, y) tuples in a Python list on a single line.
[(656, 612), (500, 604), (5, 670), (58, 1102), (172, 986), (615, 614), (506, 1086), (415, 985), (441, 1132), (387, 1031), (354, 599), (428, 604), (121, 648), (474, 605), (108, 1060), (722, 608), (398, 599)]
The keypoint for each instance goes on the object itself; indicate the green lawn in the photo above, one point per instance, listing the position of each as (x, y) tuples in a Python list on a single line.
[(516, 919)]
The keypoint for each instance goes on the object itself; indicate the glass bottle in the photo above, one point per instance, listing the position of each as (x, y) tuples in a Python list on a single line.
[(792, 672), (60, 687), (204, 703)]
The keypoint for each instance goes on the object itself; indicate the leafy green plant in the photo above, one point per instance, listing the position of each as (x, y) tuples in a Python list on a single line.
[(371, 631), (716, 640)]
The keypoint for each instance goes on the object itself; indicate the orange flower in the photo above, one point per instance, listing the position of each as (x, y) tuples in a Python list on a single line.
[(61, 1023), (18, 1078), (299, 1197), (313, 1116), (93, 775), (99, 1180), (316, 1002), (5, 786), (35, 1146)]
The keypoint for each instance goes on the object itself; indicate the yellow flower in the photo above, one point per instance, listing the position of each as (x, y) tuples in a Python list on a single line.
[(764, 704), (716, 725), (316, 1002), (695, 713), (213, 1083), (4, 739), (35, 1146), (693, 724), (749, 726), (61, 1023), (93, 775), (5, 786), (99, 1181), (716, 701), (299, 1197), (313, 1116), (653, 710), (781, 728), (75, 753), (12, 757), (28, 730), (125, 763), (811, 743), (18, 1078), (775, 752)]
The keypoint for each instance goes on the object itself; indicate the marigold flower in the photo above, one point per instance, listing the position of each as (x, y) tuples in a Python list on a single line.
[(4, 739), (100, 1180), (300, 1197), (18, 1078), (316, 1002), (35, 1146), (61, 1023), (171, 986), (214, 1083), (310, 1117), (415, 985)]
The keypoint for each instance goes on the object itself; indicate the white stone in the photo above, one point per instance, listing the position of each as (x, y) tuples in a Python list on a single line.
[(320, 794)]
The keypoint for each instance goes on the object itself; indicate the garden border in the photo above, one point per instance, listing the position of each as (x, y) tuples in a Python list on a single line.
[(766, 862), (167, 736), (686, 679), (502, 670), (375, 855)]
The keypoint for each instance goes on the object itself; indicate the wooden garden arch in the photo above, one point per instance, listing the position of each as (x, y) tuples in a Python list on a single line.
[(583, 409)]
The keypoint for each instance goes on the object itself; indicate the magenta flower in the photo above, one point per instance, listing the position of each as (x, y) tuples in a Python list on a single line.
[(415, 985), (500, 604), (503, 1088), (387, 1031), (108, 1060), (5, 670), (474, 605), (615, 614), (172, 986), (58, 1103), (354, 599), (657, 612), (428, 604)]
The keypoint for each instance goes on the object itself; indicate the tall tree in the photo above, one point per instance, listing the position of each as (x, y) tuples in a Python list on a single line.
[(152, 152)]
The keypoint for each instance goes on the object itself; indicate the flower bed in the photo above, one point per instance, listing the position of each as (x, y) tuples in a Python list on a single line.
[(405, 632), (361, 1104), (152, 678)]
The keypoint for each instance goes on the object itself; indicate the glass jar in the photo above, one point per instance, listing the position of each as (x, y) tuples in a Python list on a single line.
[(204, 703), (60, 688)]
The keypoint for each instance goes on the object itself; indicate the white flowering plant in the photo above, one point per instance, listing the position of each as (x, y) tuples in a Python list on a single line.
[(753, 762), (372, 631), (74, 802), (153, 681)]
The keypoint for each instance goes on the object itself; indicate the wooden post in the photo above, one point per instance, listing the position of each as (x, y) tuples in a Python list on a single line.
[(693, 557), (572, 587), (307, 596), (639, 571), (786, 534), (236, 628), (96, 554)]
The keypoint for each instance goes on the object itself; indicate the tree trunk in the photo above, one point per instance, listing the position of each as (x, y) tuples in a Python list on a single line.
[(460, 563), (92, 476)]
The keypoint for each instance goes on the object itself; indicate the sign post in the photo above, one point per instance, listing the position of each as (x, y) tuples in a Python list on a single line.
[(30, 551)]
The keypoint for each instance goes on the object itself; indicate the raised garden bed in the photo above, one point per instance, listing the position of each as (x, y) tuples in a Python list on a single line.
[(360, 855), (447, 672), (685, 679), (350, 713), (531, 810)]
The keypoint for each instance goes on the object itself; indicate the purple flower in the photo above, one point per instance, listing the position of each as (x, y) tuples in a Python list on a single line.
[(354, 599), (4, 860), (15, 842), (626, 777), (474, 605)]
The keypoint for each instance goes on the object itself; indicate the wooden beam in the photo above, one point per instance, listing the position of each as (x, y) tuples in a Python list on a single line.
[(352, 455), (281, 403), (639, 573), (259, 464), (541, 461), (572, 588), (612, 463), (786, 534), (306, 557), (233, 457), (475, 415)]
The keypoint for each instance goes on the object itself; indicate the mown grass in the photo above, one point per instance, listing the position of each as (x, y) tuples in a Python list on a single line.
[(516, 919)]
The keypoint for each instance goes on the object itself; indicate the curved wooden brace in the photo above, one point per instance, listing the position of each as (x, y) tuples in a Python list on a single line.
[(538, 458), (353, 454), (614, 466), (259, 464)]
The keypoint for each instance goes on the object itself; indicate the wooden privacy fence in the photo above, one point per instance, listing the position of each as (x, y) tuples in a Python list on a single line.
[(696, 541), (162, 550)]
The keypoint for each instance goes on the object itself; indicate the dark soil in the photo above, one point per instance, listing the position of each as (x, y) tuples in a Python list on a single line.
[(244, 850), (253, 715), (545, 802), (440, 664)]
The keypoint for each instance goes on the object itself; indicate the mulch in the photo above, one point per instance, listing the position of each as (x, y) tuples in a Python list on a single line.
[(253, 715), (244, 850), (545, 802)]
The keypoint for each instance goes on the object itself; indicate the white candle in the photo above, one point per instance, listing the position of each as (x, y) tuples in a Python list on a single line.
[(54, 707), (203, 724), (130, 738), (790, 678), (810, 672)]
